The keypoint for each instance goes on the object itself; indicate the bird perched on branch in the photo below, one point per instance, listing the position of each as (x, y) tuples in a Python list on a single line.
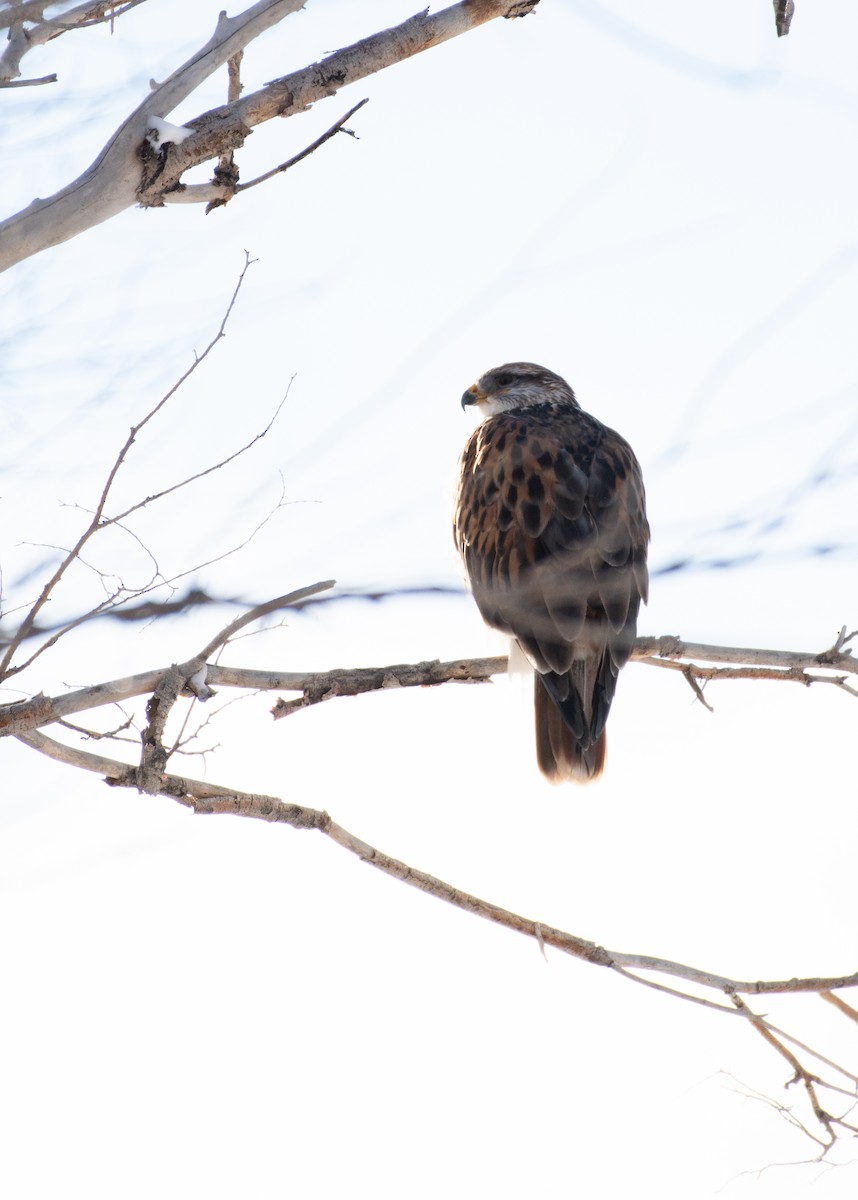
[(551, 524)]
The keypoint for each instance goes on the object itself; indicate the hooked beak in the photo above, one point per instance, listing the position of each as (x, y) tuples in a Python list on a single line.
[(472, 396)]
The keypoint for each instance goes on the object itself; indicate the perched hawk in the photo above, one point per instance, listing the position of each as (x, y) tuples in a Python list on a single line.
[(550, 522)]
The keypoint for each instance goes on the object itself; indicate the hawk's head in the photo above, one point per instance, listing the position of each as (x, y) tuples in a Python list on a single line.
[(517, 385)]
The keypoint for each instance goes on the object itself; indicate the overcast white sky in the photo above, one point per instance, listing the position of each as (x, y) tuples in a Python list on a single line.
[(658, 202)]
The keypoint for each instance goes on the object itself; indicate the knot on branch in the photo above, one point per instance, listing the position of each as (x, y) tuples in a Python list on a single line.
[(835, 654), (331, 81), (670, 646), (214, 134), (226, 174)]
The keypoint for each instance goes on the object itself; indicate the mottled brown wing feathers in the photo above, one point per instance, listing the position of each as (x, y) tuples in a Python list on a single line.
[(551, 525)]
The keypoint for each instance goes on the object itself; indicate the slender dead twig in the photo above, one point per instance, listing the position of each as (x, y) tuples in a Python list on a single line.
[(262, 610), (308, 150), (693, 673), (671, 648), (36, 82), (688, 672), (809, 1082), (225, 183), (218, 466), (839, 1003), (98, 520), (751, 663)]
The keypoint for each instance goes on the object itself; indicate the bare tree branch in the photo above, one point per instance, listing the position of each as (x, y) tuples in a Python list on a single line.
[(211, 798), (693, 673), (110, 185), (791, 666), (37, 82), (129, 171), (840, 1004), (800, 1075), (28, 28), (230, 124), (44, 710), (319, 686), (674, 648), (32, 11), (326, 685), (225, 185)]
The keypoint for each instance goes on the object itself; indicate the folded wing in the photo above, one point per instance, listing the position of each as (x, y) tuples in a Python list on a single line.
[(552, 528)]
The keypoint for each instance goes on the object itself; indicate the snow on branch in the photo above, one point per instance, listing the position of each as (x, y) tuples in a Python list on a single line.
[(135, 168)]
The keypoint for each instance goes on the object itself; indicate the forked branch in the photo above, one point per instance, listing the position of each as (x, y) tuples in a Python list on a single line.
[(136, 168), (211, 798)]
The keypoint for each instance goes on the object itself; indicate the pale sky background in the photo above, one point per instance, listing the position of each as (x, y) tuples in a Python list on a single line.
[(659, 202)]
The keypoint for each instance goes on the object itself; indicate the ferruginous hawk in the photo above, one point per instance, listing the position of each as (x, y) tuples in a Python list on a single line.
[(551, 525)]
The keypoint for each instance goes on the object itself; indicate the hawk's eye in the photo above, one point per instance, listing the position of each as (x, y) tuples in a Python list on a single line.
[(504, 379)]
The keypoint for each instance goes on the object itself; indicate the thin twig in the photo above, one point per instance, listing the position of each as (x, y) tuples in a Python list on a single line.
[(846, 1009), (96, 523), (694, 672), (689, 673), (183, 483), (672, 648), (262, 610), (320, 141), (13, 83), (801, 1075)]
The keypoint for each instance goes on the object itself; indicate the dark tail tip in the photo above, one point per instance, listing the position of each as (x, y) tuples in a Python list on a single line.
[(560, 755)]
